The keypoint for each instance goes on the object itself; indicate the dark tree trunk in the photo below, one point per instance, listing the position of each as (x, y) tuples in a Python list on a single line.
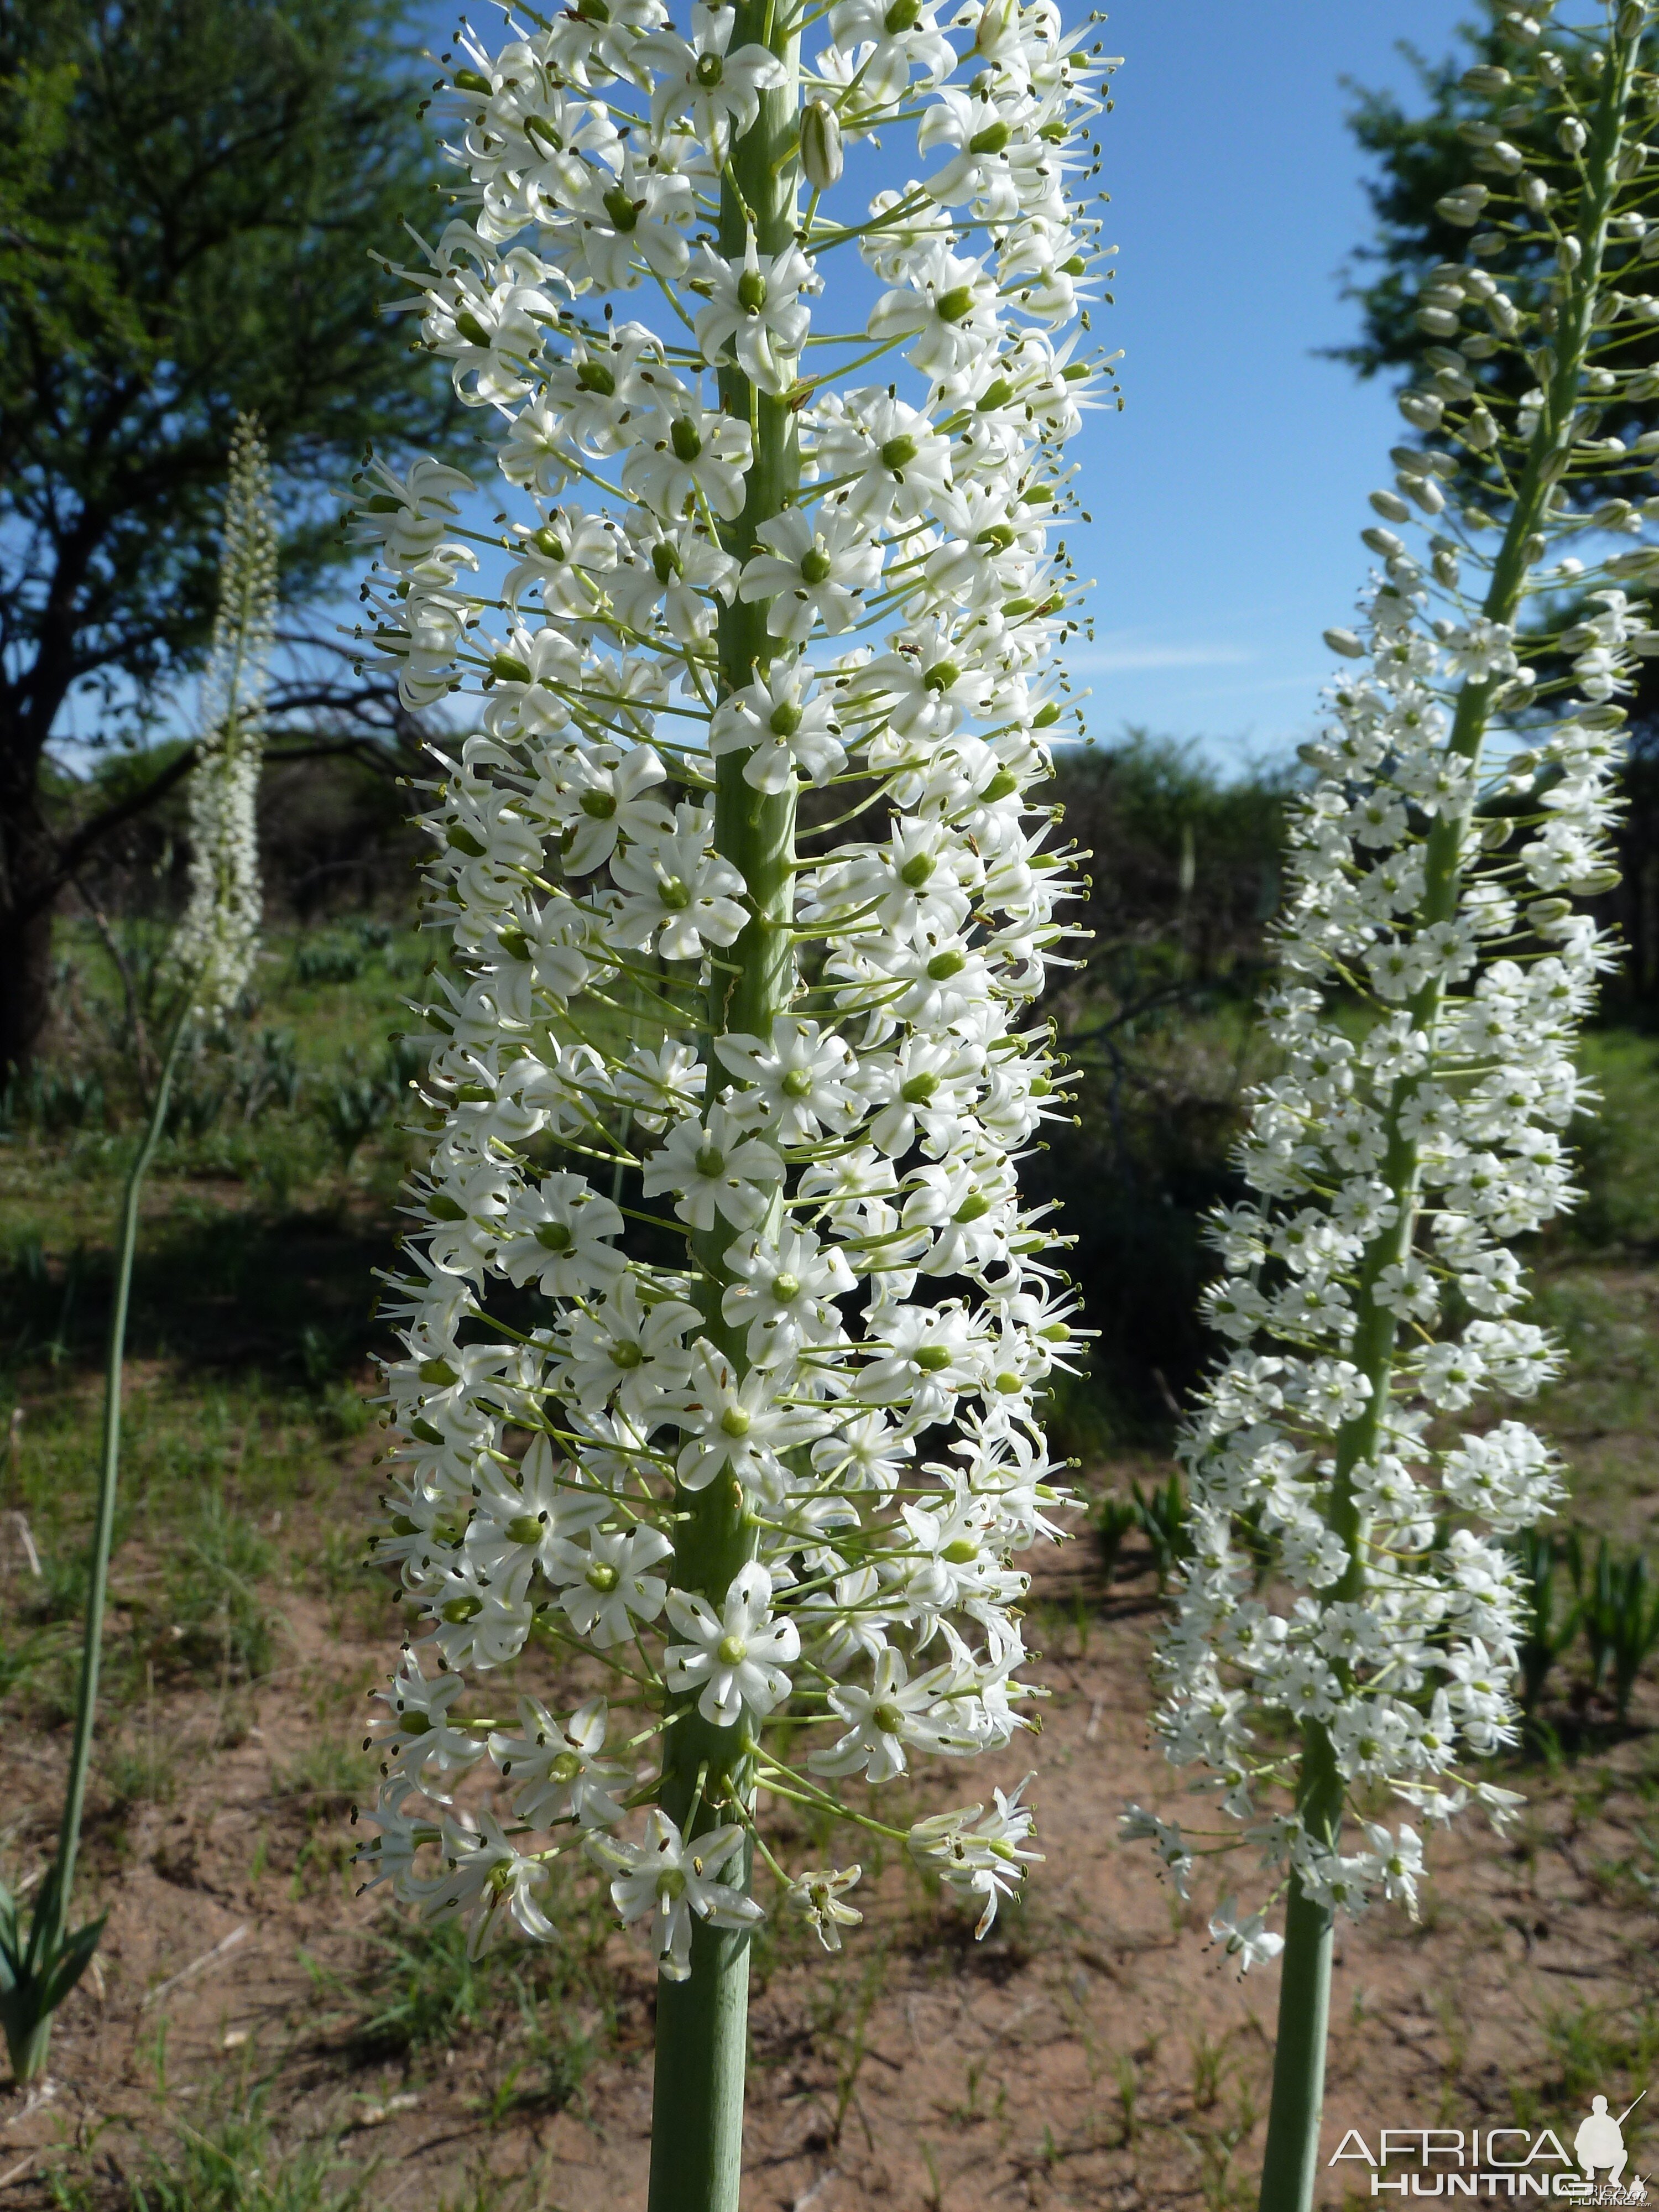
[(27, 882), (24, 988)]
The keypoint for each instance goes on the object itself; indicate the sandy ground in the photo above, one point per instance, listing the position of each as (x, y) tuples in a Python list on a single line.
[(1095, 2050)]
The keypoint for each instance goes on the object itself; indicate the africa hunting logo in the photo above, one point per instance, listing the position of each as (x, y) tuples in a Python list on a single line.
[(1505, 2161)]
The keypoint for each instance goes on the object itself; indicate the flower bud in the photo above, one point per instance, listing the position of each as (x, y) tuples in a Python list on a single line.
[(1463, 206), (821, 157), (994, 21)]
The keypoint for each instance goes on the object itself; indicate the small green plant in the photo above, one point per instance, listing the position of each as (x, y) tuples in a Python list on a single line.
[(334, 1775), (351, 1108), (359, 1099), (1111, 1517), (1161, 1516), (197, 1103), (143, 1768), (1620, 1607), (234, 2165), (217, 1620), (848, 2040), (1547, 1636), (53, 1100), (268, 1074), (1208, 2062), (330, 959), (1128, 2097)]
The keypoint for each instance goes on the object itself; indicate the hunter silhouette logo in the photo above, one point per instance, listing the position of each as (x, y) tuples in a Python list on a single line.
[(1599, 2142), (1504, 2161)]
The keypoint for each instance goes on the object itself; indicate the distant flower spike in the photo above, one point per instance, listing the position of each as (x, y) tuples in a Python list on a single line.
[(218, 933)]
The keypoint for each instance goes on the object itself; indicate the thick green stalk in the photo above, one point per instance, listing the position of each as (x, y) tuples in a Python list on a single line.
[(702, 2023), (52, 1914), (1290, 2164)]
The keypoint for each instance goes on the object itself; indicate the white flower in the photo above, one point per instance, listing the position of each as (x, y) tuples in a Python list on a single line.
[(814, 573), (797, 1084), (612, 1593), (818, 1899), (737, 1424), (784, 1294), (675, 892), (213, 947), (881, 1721), (1250, 1941), (984, 1862), (669, 1879), (719, 1093), (736, 1658), (783, 721), (421, 1741), (715, 1166), (689, 455), (947, 306), (556, 1770), (606, 802), (558, 1234), (755, 306), (720, 90), (627, 1348)]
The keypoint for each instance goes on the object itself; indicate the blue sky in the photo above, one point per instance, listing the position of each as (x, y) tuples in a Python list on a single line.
[(1228, 495)]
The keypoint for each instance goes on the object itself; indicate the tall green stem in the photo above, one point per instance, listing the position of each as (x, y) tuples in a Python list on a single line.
[(1291, 2162), (29, 2047), (702, 2023)]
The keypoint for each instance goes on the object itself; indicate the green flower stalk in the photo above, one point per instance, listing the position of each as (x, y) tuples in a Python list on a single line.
[(210, 959), (1433, 969)]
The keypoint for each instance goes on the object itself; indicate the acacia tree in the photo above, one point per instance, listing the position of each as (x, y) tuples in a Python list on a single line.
[(188, 190)]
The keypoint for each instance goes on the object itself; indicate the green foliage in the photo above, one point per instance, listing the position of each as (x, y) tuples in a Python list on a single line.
[(217, 1617), (234, 2164), (1617, 1143), (53, 1100), (1111, 1517), (1619, 1604), (1546, 1637), (1159, 1028), (1160, 1514), (357, 1101), (149, 289), (189, 198), (1422, 152), (419, 1990), (333, 959)]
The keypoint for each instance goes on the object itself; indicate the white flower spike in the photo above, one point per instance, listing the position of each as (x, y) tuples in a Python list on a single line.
[(721, 1211), (1432, 973)]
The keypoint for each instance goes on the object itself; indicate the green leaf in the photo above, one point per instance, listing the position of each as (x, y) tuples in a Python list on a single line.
[(74, 1957)]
